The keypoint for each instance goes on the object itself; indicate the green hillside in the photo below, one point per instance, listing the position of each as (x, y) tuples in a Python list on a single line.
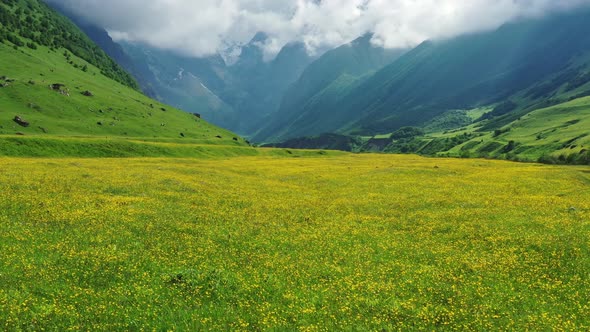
[(49, 92), (558, 134), (30, 23), (112, 110)]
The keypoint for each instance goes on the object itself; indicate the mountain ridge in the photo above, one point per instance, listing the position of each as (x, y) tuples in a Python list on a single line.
[(345, 64), (365, 92)]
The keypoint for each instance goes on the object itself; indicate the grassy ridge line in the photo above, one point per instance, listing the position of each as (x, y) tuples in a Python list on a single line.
[(88, 147)]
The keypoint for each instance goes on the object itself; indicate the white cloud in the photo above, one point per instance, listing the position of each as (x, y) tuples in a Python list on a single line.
[(204, 27)]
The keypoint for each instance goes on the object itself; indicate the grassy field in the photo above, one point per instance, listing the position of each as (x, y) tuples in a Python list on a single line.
[(341, 242)]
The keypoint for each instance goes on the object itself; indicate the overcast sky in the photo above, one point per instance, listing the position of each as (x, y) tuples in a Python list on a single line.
[(204, 27)]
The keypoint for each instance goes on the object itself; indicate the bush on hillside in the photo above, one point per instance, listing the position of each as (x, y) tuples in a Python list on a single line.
[(407, 132)]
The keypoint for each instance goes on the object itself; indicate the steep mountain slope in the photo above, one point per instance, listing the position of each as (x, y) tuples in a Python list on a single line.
[(257, 86), (322, 84), (469, 71), (528, 62), (185, 82), (160, 74), (83, 102), (101, 37), (32, 23), (238, 97), (49, 92)]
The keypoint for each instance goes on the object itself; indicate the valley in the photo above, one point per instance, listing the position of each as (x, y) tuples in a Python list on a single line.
[(437, 186), (353, 96), (365, 92)]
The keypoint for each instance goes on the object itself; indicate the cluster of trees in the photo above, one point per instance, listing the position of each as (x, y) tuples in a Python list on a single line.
[(31, 23), (407, 133), (582, 158)]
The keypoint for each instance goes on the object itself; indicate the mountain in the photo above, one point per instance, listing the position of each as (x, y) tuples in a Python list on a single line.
[(321, 84), (239, 96), (257, 86), (189, 83), (528, 61), (168, 77), (464, 96), (470, 71), (469, 95), (58, 88)]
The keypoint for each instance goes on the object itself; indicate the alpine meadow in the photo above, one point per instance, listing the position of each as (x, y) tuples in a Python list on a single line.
[(334, 165)]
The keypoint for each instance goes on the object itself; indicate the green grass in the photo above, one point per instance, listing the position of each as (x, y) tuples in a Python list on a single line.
[(561, 130), (89, 147), (347, 242), (223, 236), (477, 113), (114, 111), (30, 23)]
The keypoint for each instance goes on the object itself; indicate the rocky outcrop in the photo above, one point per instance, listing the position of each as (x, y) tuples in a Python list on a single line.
[(20, 121)]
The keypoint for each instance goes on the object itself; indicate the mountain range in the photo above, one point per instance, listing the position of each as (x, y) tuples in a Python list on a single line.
[(515, 92), (239, 95), (467, 93)]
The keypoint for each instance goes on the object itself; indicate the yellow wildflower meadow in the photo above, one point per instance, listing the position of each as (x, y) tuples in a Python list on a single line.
[(350, 242)]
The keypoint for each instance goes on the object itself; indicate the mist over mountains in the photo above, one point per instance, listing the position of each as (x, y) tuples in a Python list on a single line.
[(476, 78), (207, 27)]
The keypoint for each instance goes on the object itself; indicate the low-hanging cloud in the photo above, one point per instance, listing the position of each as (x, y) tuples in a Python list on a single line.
[(204, 27)]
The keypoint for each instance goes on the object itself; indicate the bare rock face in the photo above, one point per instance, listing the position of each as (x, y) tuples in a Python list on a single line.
[(20, 121)]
